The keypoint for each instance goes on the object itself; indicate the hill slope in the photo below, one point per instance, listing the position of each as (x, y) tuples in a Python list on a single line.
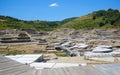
[(100, 19)]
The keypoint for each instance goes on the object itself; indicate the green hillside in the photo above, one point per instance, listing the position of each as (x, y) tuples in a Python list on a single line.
[(100, 19), (7, 22)]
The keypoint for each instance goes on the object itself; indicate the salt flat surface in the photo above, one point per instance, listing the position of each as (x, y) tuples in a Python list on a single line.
[(25, 58)]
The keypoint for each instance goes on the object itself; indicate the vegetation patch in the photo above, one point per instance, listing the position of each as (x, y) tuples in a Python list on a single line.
[(14, 52), (61, 54)]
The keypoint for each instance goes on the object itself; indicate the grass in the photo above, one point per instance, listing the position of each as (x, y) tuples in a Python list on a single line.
[(13, 52)]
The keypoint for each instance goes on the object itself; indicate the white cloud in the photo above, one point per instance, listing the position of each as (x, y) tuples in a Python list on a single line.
[(53, 5)]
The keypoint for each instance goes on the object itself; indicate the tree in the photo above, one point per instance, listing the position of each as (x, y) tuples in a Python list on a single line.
[(94, 17), (101, 24)]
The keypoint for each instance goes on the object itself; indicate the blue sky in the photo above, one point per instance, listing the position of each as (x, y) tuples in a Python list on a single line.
[(53, 9)]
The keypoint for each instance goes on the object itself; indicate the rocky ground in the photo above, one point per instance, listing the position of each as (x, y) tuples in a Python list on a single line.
[(92, 37)]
